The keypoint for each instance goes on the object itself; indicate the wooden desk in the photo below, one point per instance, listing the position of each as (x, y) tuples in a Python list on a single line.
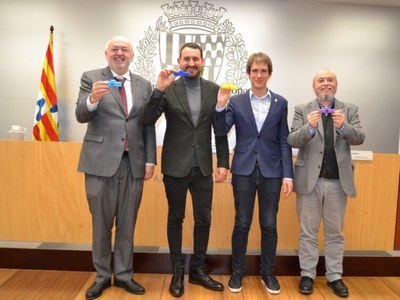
[(42, 198)]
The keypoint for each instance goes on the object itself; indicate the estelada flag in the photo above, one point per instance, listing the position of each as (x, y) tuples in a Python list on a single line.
[(45, 126)]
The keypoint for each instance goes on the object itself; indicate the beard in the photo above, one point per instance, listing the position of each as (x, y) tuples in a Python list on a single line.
[(326, 98)]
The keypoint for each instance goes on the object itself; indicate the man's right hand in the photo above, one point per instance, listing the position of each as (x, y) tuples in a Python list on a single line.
[(313, 118), (164, 79), (223, 97), (99, 89)]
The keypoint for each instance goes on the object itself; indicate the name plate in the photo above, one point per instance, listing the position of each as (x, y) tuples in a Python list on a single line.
[(361, 155), (355, 154)]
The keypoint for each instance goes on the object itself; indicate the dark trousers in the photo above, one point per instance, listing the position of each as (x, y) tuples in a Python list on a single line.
[(176, 189), (268, 191)]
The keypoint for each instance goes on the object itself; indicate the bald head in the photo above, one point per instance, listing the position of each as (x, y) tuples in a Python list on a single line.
[(119, 54), (325, 85)]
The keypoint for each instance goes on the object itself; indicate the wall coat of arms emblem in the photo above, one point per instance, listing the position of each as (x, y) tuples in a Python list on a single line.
[(224, 51)]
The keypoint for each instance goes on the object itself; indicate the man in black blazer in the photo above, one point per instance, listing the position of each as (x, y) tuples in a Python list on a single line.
[(118, 153), (188, 104)]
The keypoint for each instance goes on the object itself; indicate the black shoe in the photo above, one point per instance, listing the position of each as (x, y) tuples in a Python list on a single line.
[(306, 285), (200, 277), (130, 285), (271, 283), (235, 282), (339, 288), (176, 288), (96, 289)]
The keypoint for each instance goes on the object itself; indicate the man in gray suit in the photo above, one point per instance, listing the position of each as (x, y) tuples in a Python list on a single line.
[(324, 130), (118, 153), (188, 104)]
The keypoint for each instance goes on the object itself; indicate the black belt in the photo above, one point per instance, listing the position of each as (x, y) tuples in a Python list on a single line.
[(125, 153)]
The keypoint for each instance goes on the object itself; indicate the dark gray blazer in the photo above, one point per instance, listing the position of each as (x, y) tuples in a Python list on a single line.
[(311, 149), (107, 127), (182, 137)]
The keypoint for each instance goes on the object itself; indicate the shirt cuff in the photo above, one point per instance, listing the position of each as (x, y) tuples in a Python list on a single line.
[(157, 93), (311, 130), (91, 106), (219, 109), (340, 130)]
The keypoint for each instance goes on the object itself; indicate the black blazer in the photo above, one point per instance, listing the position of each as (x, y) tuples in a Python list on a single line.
[(182, 137)]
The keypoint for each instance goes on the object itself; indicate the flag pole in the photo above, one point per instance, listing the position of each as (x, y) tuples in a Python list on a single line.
[(51, 36), (45, 126)]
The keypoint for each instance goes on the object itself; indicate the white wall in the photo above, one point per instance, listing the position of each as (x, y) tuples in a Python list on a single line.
[(360, 43)]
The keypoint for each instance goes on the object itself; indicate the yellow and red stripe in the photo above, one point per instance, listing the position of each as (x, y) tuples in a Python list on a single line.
[(46, 116)]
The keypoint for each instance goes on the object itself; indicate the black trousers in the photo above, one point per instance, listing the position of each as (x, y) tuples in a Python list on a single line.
[(268, 190), (201, 188)]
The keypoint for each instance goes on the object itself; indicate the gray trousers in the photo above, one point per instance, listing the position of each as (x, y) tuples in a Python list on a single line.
[(112, 200), (326, 202)]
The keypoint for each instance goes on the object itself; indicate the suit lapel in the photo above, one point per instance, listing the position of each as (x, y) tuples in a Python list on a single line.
[(249, 110), (271, 111), (113, 91), (320, 128), (135, 86), (205, 91), (337, 105)]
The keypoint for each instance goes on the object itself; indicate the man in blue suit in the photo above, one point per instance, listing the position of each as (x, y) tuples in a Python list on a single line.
[(262, 160)]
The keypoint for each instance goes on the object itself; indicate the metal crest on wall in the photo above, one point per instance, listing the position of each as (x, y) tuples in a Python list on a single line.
[(224, 51)]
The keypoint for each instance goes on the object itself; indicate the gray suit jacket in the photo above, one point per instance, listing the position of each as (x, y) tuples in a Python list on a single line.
[(311, 149), (182, 137), (108, 126)]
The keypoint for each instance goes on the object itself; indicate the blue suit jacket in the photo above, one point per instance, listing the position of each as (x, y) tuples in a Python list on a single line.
[(269, 146)]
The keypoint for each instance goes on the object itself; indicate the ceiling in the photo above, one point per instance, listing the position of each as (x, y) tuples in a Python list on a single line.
[(395, 3)]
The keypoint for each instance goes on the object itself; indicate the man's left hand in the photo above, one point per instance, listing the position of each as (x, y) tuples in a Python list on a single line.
[(221, 175)]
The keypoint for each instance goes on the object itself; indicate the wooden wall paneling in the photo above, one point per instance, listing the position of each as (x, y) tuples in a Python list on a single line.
[(43, 200), (397, 237)]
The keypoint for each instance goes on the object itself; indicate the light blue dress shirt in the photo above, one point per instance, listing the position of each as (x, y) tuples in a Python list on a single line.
[(260, 107)]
